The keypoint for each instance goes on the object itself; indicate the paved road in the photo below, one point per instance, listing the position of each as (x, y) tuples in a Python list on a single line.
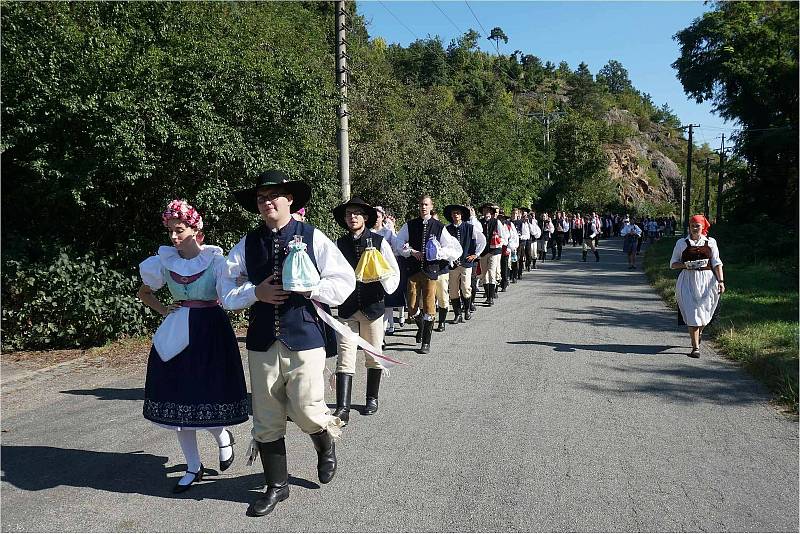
[(569, 406)]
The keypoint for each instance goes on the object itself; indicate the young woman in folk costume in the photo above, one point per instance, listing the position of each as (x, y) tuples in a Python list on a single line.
[(701, 280), (195, 379)]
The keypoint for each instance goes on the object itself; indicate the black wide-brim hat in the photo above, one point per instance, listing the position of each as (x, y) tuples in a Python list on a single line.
[(448, 212), (489, 205), (300, 191), (339, 212), (523, 209)]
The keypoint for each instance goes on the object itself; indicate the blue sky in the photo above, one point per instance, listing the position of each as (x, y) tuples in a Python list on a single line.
[(637, 34)]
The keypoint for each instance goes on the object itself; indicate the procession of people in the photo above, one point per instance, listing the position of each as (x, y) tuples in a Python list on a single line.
[(289, 274)]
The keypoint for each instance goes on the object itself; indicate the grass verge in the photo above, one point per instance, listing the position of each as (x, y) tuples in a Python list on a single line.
[(758, 323)]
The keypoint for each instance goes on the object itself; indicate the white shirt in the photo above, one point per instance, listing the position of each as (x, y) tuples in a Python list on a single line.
[(450, 250), (513, 237), (680, 246), (477, 233), (151, 269), (337, 279), (536, 232), (503, 232), (525, 230), (630, 228)]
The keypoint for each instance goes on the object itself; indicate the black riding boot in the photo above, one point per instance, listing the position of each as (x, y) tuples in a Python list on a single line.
[(326, 455), (418, 320), (427, 331), (344, 384), (273, 458), (472, 307), (465, 306), (373, 386), (596, 256), (456, 304), (583, 255), (442, 317)]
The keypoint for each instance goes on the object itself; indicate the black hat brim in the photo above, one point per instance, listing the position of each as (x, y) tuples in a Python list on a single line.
[(300, 191), (448, 211), (339, 212)]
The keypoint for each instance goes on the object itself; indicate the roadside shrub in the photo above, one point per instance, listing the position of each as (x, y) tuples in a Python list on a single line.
[(69, 303)]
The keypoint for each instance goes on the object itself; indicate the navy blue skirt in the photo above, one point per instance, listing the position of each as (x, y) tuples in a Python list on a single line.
[(398, 298), (204, 385)]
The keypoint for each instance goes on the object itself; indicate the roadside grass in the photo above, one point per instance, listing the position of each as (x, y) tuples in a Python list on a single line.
[(758, 324)]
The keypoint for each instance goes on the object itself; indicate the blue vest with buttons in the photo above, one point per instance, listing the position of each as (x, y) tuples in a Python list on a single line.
[(295, 322), (367, 297), (463, 232), (419, 232)]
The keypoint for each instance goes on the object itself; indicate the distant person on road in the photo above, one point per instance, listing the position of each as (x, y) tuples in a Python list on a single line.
[(700, 282), (590, 241), (631, 234), (195, 379)]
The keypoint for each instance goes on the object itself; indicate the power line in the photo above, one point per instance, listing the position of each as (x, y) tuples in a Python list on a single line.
[(398, 20), (476, 19), (448, 18)]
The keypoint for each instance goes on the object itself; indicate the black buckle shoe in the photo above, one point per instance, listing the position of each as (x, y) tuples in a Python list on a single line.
[(198, 476), (225, 464)]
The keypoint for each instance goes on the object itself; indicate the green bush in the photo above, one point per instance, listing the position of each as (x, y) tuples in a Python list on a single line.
[(68, 303)]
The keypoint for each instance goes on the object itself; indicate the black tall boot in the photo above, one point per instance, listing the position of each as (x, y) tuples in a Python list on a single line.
[(456, 305), (489, 293), (326, 455), (583, 255), (273, 458), (373, 386), (427, 331), (465, 304), (596, 256), (418, 320), (442, 317), (344, 384), (472, 300)]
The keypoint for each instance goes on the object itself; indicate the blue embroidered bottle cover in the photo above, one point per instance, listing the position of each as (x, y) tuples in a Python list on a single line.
[(299, 272)]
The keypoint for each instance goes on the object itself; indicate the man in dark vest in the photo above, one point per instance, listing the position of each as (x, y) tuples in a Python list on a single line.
[(490, 257), (362, 312), (429, 249), (461, 274), (286, 338)]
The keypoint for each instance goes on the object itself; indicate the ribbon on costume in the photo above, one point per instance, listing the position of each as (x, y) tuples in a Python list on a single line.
[(343, 331)]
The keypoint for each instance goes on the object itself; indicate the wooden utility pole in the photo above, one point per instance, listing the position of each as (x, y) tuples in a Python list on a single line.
[(705, 202), (688, 209), (341, 80), (721, 177)]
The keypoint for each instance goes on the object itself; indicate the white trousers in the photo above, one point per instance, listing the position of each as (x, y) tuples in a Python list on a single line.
[(490, 269), (371, 331), (461, 281)]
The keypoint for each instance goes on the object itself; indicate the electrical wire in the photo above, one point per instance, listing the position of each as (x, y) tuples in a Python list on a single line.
[(476, 19), (445, 16), (398, 20)]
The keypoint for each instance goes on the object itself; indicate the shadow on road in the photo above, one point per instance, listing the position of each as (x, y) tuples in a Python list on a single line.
[(648, 350), (712, 382), (654, 320), (39, 468)]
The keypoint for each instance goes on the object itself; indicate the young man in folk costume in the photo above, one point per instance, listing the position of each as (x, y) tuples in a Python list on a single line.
[(425, 263), (509, 270), (363, 310), (480, 245), (461, 272), (536, 233), (286, 338), (520, 222), (490, 257)]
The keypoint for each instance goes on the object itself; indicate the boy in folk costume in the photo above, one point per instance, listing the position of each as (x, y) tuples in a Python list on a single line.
[(490, 257), (461, 272), (363, 310), (286, 338), (426, 260), (480, 245)]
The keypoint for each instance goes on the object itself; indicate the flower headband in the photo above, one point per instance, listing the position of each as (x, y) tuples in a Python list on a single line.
[(181, 210)]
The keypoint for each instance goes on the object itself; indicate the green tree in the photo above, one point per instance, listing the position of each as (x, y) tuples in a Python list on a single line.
[(743, 58), (497, 34), (614, 76)]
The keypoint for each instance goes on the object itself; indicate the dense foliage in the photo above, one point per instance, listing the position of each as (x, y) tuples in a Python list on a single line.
[(743, 57)]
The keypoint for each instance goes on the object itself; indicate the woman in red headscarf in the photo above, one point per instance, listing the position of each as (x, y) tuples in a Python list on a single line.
[(700, 282)]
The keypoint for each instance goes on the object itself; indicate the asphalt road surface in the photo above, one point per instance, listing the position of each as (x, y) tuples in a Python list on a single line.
[(568, 406)]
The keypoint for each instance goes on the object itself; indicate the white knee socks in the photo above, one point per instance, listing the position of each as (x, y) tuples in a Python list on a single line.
[(223, 439), (188, 442)]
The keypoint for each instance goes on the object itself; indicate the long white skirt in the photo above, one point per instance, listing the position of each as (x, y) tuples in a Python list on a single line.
[(698, 295)]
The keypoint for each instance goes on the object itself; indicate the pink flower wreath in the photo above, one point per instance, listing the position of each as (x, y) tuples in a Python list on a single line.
[(181, 210)]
